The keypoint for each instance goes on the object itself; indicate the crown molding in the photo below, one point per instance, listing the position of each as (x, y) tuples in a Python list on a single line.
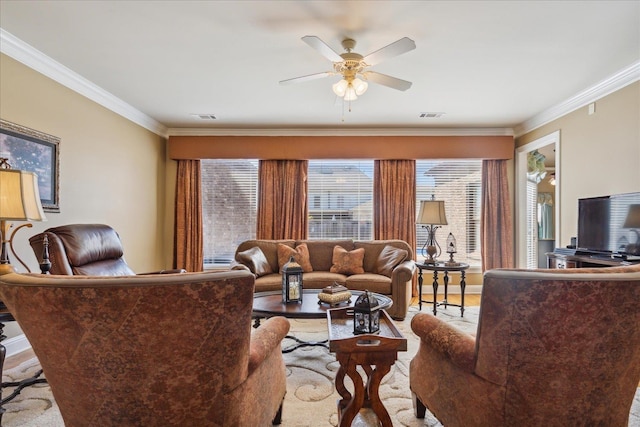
[(341, 132), (615, 82), (12, 46), (33, 58)]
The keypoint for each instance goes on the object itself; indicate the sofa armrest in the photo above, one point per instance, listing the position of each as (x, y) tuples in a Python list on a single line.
[(452, 343), (235, 265), (403, 272), (266, 339)]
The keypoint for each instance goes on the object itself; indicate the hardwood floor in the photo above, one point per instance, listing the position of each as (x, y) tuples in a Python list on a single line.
[(469, 299), (16, 359)]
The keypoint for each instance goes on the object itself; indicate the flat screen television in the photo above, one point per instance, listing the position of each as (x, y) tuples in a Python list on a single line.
[(610, 225)]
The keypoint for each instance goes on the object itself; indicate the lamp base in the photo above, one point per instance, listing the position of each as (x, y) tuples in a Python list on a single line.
[(431, 251), (6, 269)]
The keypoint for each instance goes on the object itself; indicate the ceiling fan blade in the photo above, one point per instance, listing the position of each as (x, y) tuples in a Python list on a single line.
[(323, 48), (307, 78), (383, 79), (396, 48)]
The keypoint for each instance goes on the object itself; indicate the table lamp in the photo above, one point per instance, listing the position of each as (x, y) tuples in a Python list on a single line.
[(431, 216), (19, 201)]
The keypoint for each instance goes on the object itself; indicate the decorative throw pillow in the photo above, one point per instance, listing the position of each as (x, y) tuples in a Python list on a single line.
[(300, 254), (256, 261), (345, 262), (388, 259)]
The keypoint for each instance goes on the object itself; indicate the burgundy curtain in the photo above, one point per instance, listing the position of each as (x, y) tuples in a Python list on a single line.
[(496, 230), (188, 248), (282, 200), (394, 202)]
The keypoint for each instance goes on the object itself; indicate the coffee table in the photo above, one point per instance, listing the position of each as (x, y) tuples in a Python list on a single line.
[(269, 304)]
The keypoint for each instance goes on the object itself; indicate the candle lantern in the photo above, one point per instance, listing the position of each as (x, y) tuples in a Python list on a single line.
[(291, 282), (366, 314), (451, 249)]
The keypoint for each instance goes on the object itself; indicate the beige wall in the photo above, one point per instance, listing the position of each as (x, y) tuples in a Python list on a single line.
[(599, 154), (112, 171)]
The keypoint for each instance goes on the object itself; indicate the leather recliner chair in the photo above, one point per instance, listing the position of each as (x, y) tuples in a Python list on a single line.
[(85, 250)]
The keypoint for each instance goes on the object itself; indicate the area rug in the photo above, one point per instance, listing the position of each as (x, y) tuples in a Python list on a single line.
[(311, 397)]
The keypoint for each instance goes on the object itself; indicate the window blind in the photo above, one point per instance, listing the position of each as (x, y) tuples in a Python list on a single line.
[(340, 199), (229, 205), (532, 224)]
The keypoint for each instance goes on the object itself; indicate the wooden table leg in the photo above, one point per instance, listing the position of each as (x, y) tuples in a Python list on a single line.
[(463, 285), (348, 412), (435, 293), (379, 372), (342, 390)]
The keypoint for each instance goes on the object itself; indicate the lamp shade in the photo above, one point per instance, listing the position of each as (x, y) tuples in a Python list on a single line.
[(19, 196), (340, 88), (432, 212), (633, 217), (359, 86)]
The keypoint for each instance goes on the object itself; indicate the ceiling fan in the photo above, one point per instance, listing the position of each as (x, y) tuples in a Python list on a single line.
[(354, 67)]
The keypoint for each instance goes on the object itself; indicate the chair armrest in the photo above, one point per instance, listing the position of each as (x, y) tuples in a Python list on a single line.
[(403, 272), (267, 338), (445, 339)]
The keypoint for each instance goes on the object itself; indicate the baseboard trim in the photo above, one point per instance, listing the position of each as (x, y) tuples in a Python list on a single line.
[(16, 345)]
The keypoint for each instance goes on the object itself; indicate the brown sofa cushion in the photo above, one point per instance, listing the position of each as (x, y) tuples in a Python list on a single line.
[(388, 259), (300, 254), (256, 261), (347, 262), (321, 252)]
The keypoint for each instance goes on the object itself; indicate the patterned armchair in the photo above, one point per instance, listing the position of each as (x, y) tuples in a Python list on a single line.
[(158, 350), (553, 348)]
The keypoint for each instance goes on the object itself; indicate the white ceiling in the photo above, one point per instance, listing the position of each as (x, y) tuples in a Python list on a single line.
[(484, 64)]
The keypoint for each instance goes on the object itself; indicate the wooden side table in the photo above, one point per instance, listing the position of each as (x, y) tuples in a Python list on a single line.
[(443, 267), (376, 353)]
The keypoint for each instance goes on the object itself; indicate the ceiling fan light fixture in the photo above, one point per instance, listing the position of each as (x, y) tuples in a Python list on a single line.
[(359, 86), (340, 88), (350, 94)]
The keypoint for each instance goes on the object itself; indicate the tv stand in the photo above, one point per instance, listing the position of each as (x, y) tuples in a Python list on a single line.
[(561, 259)]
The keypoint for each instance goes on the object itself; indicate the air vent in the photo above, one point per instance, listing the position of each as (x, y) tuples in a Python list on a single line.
[(205, 116), (431, 115)]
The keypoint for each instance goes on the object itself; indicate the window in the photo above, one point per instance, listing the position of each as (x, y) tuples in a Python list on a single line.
[(341, 203), (342, 194), (458, 183), (229, 206)]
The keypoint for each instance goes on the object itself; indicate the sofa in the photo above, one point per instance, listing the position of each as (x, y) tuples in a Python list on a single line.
[(552, 348), (382, 266), (152, 350)]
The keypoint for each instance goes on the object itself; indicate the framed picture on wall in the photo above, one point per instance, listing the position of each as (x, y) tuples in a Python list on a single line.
[(34, 151)]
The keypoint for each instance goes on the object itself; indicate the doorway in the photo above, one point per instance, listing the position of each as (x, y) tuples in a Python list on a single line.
[(530, 209)]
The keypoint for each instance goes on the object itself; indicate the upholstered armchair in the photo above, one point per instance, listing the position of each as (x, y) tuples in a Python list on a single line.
[(84, 249), (152, 350), (552, 348)]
